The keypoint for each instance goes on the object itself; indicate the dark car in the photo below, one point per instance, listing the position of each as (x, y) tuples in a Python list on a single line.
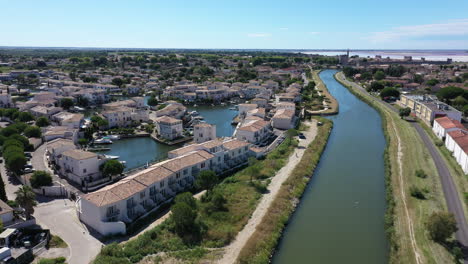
[(301, 136)]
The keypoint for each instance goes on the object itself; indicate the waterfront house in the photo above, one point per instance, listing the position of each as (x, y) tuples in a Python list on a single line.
[(168, 128), (203, 132), (54, 132), (244, 108), (253, 130), (56, 147), (286, 105), (283, 119), (443, 125), (68, 119)]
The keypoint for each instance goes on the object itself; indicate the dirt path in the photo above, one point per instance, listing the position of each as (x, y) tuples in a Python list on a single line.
[(403, 198), (232, 251)]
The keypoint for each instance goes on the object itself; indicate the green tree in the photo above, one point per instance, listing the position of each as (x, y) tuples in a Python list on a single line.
[(66, 103), (459, 101), (42, 121), (40, 178), (15, 162), (441, 226), (404, 112), (112, 168), (379, 75), (3, 195), (432, 82), (152, 101), (389, 92), (26, 198), (448, 93), (187, 198), (118, 81), (184, 218), (25, 117), (376, 86), (218, 201), (33, 131), (207, 179)]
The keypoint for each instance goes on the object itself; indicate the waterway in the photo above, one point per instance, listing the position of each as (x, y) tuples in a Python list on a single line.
[(340, 218), (137, 152), (219, 115)]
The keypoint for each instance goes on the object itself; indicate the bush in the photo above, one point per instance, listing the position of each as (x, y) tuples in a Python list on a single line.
[(33, 131), (42, 121), (417, 193), (40, 178), (421, 174), (441, 226)]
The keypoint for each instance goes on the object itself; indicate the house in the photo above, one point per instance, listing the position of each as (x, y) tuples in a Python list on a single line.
[(286, 105), (172, 109), (68, 119), (253, 130), (46, 111), (80, 166), (5, 100), (244, 108), (443, 125), (203, 132), (460, 152), (451, 136), (56, 147), (283, 119), (168, 128), (259, 112), (55, 132), (6, 213)]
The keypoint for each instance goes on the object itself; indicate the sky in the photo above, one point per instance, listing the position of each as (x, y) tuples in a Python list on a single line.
[(236, 24)]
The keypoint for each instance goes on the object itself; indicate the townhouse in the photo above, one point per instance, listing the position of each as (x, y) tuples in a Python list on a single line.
[(203, 132), (79, 166), (168, 128), (253, 130), (109, 210), (283, 119)]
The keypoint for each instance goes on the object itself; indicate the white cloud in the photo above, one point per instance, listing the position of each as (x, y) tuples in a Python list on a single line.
[(259, 35), (450, 28)]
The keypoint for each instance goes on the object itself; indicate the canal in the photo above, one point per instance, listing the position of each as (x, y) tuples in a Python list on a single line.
[(137, 152), (340, 218)]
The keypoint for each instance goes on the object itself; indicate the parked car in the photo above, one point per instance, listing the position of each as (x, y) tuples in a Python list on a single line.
[(301, 136), (319, 123), (28, 170)]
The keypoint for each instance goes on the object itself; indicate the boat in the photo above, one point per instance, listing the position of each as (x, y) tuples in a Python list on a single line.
[(198, 118), (194, 113), (111, 157), (103, 141), (113, 137), (232, 108)]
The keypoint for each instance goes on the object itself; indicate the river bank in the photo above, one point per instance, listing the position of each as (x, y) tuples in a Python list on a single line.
[(330, 103), (406, 216)]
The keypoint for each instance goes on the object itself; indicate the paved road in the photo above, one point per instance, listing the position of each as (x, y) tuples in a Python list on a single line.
[(454, 203), (12, 184), (59, 215)]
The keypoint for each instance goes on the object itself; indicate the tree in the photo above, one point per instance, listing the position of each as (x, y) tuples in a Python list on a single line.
[(187, 198), (25, 117), (418, 78), (118, 81), (66, 103), (379, 75), (389, 92), (184, 218), (404, 112), (3, 195), (441, 226), (218, 201), (40, 178), (459, 101), (26, 198), (376, 86), (432, 82), (42, 121), (207, 179), (112, 168), (152, 101), (33, 131), (15, 162), (448, 93), (82, 142)]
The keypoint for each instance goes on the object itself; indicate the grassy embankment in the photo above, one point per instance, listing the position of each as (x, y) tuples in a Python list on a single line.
[(261, 244), (332, 103), (404, 212), (220, 227)]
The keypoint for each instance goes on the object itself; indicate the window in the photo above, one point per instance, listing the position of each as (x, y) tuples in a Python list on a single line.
[(142, 195), (161, 184), (84, 170), (177, 175), (185, 171), (203, 165)]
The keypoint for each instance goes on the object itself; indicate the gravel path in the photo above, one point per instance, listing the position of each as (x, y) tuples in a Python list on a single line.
[(232, 251)]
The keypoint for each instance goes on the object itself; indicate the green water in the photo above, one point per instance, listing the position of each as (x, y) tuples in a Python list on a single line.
[(341, 216)]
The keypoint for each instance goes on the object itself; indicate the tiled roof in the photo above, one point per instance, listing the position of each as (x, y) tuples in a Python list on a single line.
[(78, 154), (234, 144), (448, 123)]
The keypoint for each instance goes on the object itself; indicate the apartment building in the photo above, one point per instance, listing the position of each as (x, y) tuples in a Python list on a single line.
[(283, 119), (107, 210), (203, 132), (168, 128), (427, 108), (80, 166), (253, 130)]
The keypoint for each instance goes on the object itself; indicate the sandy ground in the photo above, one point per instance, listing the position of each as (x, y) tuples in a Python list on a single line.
[(232, 251)]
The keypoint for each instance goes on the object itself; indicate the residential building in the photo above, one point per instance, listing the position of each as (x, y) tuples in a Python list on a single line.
[(168, 128), (253, 130), (203, 132), (428, 108), (283, 119), (443, 125), (68, 119), (80, 166)]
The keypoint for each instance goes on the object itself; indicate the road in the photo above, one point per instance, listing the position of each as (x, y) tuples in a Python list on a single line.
[(59, 215), (452, 198), (12, 184)]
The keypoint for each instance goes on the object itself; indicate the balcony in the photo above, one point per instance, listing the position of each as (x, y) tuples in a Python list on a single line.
[(113, 213)]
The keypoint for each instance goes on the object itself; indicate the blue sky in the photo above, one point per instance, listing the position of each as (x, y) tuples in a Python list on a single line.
[(292, 24)]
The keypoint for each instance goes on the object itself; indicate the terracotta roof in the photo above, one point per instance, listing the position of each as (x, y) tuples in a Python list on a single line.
[(448, 123), (167, 119), (254, 126), (462, 142), (152, 175), (284, 113), (79, 154), (234, 144), (59, 142), (188, 160), (119, 191)]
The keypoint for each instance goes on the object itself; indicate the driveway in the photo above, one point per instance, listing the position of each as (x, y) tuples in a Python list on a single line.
[(59, 215)]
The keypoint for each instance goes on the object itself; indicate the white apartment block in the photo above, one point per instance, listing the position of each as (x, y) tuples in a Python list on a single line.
[(168, 127), (80, 166), (107, 210), (204, 132), (253, 130)]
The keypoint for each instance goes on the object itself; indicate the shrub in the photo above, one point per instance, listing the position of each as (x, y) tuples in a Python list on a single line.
[(40, 178), (417, 193), (441, 226), (33, 131), (421, 174)]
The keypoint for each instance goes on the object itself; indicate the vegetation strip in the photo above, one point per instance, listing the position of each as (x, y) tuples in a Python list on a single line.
[(261, 244)]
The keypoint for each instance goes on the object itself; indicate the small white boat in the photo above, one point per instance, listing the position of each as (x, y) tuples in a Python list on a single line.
[(232, 108), (112, 157), (194, 113), (103, 141), (198, 118), (114, 137)]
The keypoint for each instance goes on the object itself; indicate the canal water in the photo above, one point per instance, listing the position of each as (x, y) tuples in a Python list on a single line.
[(219, 115), (136, 152), (341, 216)]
